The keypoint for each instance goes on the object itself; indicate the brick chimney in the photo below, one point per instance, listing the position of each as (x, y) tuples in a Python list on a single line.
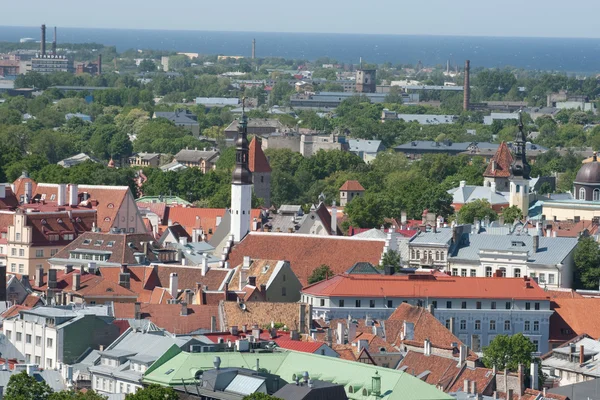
[(138, 310), (52, 279), (76, 282), (184, 309)]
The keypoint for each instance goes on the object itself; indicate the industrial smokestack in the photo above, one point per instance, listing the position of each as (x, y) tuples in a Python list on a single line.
[(467, 86), (43, 42), (253, 49), (99, 64), (54, 43)]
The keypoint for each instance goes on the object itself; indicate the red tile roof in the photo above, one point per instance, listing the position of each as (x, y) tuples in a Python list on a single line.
[(13, 310), (353, 186), (307, 252), (9, 201), (297, 345), (191, 277), (482, 376), (19, 185), (168, 316), (205, 218), (411, 286), (257, 161), (426, 326), (142, 279), (159, 209), (531, 394), (106, 200), (31, 301), (499, 166), (442, 370), (573, 317), (64, 280), (44, 224)]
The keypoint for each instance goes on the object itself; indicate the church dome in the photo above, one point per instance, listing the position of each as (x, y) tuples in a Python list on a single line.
[(589, 173)]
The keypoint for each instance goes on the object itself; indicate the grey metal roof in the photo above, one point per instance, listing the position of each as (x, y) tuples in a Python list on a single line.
[(365, 146), (428, 119), (177, 117), (372, 234), (469, 193), (551, 250), (581, 390), (429, 145), (441, 236), (224, 101), (8, 350), (173, 166)]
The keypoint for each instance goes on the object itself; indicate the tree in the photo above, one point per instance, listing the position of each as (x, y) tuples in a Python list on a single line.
[(147, 65), (319, 274), (508, 352), (153, 392), (476, 209), (587, 263), (260, 396), (391, 259), (512, 214), (23, 386), (73, 395)]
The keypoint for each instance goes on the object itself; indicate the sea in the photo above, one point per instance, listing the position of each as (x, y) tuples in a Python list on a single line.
[(581, 56)]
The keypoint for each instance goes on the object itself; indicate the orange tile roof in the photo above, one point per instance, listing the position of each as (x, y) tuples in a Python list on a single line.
[(160, 296), (531, 394), (482, 376), (100, 287), (142, 279), (168, 316), (31, 300), (297, 345), (415, 285), (205, 218), (499, 166), (263, 313), (353, 186), (13, 310), (307, 252), (573, 317), (191, 277), (19, 185), (257, 161), (256, 270)]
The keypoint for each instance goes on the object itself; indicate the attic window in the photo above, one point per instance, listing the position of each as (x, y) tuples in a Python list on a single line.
[(265, 269), (107, 219), (111, 243), (78, 219), (87, 241), (517, 244), (169, 371), (109, 289), (59, 220), (111, 205), (98, 242), (44, 222), (52, 197)]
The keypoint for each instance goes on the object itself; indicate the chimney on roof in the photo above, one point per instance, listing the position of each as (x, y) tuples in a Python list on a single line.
[(362, 344), (52, 279), (581, 355), (124, 268), (473, 387), (189, 296), (466, 386), (73, 195), (533, 370), (462, 184), (243, 278), (426, 346), (536, 243), (28, 192), (184, 309), (294, 335), (462, 355), (452, 320), (246, 262), (431, 309), (39, 276), (340, 333), (493, 187), (76, 282), (124, 279), (173, 284), (137, 310), (226, 290), (204, 269), (467, 86), (2, 190), (61, 199), (213, 323), (68, 268)]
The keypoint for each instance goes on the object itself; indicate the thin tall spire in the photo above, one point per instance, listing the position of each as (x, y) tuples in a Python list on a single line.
[(520, 166)]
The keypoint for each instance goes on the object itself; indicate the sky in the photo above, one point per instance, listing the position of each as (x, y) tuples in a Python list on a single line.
[(525, 18)]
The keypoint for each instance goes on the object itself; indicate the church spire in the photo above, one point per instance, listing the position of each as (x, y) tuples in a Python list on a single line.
[(241, 172), (520, 167)]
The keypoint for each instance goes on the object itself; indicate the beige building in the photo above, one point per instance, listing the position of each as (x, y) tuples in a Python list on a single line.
[(35, 237), (350, 190), (145, 160), (266, 280), (205, 160)]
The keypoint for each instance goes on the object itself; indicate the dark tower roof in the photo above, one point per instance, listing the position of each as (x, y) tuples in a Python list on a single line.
[(241, 172), (520, 167), (589, 173)]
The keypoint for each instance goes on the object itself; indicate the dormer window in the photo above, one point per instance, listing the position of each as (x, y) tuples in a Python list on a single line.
[(52, 197), (87, 241), (59, 220), (68, 236), (107, 219), (98, 242), (44, 222), (111, 205), (110, 243)]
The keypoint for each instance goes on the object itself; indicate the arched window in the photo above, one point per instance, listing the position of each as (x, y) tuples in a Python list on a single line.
[(582, 194), (412, 254), (418, 254), (437, 256), (596, 194)]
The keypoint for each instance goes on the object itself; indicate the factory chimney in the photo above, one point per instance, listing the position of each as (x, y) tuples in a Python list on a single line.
[(253, 49), (99, 64), (467, 86), (43, 41), (54, 43)]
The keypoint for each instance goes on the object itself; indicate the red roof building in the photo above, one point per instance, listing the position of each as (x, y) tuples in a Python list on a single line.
[(257, 161)]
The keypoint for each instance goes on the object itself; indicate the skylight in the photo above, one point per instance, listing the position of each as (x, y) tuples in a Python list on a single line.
[(110, 243), (87, 241), (169, 371)]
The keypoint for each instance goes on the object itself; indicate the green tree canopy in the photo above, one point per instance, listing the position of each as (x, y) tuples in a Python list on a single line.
[(587, 263), (319, 274), (23, 386), (508, 352), (479, 209), (512, 214), (153, 392)]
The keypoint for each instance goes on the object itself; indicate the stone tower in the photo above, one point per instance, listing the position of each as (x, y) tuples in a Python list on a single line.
[(520, 169), (241, 185), (261, 172)]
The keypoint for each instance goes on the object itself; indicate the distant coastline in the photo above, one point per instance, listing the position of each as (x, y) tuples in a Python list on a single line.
[(550, 54)]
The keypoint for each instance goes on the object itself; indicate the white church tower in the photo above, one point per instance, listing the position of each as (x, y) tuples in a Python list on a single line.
[(241, 185), (520, 169)]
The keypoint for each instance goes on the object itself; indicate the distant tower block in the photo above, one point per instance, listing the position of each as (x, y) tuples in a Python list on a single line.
[(253, 49), (366, 81), (467, 86), (54, 43)]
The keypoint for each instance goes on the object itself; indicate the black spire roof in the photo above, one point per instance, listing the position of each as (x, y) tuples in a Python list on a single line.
[(520, 167), (241, 172)]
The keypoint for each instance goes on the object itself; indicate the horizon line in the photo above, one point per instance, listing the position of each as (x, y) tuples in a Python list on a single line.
[(312, 33)]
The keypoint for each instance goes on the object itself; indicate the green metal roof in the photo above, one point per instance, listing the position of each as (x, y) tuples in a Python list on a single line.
[(176, 367), (163, 199)]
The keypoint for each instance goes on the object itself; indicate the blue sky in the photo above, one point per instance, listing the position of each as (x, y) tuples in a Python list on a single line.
[(540, 18)]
